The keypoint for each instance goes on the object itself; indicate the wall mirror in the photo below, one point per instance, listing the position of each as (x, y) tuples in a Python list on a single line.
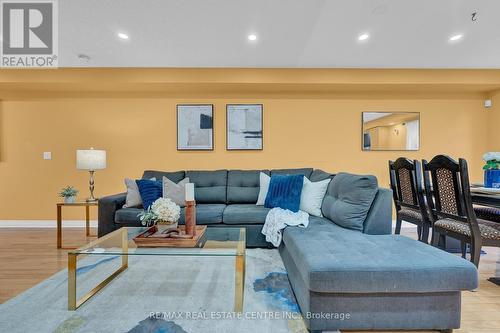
[(391, 131)]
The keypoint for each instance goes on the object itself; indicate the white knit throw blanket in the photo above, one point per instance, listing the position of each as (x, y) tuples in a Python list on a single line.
[(278, 219)]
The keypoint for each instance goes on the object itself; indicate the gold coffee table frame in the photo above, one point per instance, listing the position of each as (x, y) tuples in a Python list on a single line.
[(209, 247)]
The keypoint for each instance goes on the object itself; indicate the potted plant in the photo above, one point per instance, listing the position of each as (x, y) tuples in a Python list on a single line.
[(164, 213), (69, 194), (492, 170)]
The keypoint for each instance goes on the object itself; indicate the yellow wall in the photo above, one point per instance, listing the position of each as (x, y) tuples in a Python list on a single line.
[(494, 124), (141, 133)]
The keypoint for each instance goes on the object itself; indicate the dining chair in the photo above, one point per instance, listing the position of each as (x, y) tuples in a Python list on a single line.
[(447, 189), (406, 184)]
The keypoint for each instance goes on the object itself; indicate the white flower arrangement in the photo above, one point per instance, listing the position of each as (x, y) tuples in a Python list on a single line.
[(166, 210), (162, 210), (492, 160), (492, 155)]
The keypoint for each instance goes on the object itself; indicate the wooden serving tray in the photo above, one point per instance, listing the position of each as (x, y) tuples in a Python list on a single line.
[(149, 238)]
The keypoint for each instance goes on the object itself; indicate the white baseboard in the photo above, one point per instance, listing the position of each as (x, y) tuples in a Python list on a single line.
[(45, 223)]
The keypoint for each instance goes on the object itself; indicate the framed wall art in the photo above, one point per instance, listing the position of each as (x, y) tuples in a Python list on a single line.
[(195, 127), (244, 129)]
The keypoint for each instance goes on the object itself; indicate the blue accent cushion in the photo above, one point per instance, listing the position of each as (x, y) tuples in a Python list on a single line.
[(150, 190), (284, 192)]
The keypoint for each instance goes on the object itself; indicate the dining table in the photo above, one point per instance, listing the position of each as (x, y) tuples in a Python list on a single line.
[(485, 197)]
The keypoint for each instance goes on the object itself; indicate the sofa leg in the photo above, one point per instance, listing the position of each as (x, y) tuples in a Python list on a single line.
[(315, 331), (447, 331)]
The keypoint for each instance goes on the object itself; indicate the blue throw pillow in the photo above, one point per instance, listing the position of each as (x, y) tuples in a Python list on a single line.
[(284, 192), (150, 190)]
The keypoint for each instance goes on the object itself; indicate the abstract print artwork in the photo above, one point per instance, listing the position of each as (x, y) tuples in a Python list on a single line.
[(195, 127), (244, 127)]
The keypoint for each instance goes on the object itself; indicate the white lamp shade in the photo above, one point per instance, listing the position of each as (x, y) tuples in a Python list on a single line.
[(90, 159)]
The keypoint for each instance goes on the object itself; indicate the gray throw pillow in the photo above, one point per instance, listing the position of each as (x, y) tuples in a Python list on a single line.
[(175, 192), (133, 198), (348, 199)]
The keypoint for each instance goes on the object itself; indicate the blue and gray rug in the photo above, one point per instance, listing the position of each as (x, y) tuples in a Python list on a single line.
[(161, 294)]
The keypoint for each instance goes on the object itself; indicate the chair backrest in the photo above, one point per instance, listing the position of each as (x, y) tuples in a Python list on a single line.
[(406, 184), (447, 188)]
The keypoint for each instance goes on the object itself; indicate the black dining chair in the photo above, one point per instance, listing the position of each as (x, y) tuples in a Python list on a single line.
[(406, 184), (448, 195)]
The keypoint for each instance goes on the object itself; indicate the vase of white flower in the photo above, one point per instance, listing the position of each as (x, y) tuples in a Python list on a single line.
[(167, 214), (492, 170)]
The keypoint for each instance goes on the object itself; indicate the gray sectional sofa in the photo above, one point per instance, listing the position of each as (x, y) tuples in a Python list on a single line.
[(228, 197), (346, 269)]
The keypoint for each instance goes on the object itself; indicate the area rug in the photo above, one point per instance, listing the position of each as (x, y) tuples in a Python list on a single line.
[(161, 294)]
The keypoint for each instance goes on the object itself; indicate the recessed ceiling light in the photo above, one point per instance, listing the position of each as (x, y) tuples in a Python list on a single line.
[(252, 37), (122, 35), (454, 38), (363, 37)]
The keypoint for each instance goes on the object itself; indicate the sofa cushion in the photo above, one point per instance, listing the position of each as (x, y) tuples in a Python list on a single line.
[(150, 191), (338, 260), (319, 175), (206, 213), (128, 216), (302, 171), (264, 181), (348, 199), (243, 186), (245, 214), (175, 191), (284, 192), (133, 196), (312, 196), (210, 186), (175, 176)]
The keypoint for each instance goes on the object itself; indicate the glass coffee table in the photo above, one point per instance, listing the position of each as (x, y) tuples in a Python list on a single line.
[(217, 241)]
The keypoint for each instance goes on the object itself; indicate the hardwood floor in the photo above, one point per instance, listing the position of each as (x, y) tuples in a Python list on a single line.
[(27, 258)]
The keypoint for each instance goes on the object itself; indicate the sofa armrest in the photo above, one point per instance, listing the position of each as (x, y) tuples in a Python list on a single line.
[(379, 218), (106, 212)]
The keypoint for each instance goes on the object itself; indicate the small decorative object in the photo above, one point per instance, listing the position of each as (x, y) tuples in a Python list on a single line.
[(177, 238), (492, 170), (190, 215), (91, 160), (69, 194), (164, 213), (195, 127), (244, 127)]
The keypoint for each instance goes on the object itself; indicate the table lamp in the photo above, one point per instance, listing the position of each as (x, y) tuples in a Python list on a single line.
[(91, 160)]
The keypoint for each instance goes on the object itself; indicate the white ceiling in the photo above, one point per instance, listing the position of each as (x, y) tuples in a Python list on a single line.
[(291, 33)]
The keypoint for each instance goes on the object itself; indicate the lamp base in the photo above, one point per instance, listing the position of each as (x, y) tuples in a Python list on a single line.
[(92, 199)]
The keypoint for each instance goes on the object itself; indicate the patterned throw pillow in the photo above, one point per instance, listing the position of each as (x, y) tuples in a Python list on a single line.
[(175, 192), (150, 190), (284, 192)]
